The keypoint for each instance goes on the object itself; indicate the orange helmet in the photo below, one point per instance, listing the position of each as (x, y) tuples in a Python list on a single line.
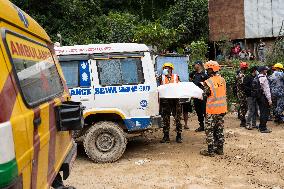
[(213, 65), (243, 65)]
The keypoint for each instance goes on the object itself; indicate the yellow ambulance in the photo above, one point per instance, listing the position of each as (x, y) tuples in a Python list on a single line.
[(36, 116)]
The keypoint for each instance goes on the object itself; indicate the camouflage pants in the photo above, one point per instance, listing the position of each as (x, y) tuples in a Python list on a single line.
[(214, 129), (273, 107), (243, 108), (280, 106), (168, 107)]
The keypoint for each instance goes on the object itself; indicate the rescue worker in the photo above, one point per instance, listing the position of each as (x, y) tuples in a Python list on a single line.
[(261, 90), (216, 108), (251, 101), (241, 93), (170, 105), (274, 100), (277, 91), (198, 77)]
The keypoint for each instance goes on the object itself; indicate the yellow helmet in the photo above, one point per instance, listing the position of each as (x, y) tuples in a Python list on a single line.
[(168, 64), (213, 65), (278, 65)]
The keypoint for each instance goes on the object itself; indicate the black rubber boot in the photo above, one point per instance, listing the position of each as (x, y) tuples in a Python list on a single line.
[(219, 150), (178, 138), (166, 138), (199, 129), (209, 152), (243, 123), (278, 119), (265, 130)]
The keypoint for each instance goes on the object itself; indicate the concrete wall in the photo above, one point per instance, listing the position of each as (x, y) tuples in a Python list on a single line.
[(226, 19)]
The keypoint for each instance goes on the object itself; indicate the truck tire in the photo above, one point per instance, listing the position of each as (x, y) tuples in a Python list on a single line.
[(105, 142)]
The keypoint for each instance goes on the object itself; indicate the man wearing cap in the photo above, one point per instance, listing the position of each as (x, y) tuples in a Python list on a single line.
[(263, 97), (198, 77), (170, 105), (277, 91)]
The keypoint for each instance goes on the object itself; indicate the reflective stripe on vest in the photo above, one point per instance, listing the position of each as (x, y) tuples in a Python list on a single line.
[(174, 79), (217, 101)]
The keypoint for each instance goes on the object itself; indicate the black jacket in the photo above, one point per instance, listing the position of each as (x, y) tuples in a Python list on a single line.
[(197, 78), (247, 84)]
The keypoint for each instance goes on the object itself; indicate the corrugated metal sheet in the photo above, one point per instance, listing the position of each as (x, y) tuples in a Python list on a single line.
[(278, 15), (263, 18)]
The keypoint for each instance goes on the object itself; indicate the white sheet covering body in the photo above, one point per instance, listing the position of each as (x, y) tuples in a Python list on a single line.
[(180, 90)]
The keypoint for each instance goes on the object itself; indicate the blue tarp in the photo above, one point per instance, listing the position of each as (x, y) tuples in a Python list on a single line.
[(179, 62)]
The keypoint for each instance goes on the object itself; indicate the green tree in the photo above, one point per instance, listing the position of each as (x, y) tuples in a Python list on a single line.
[(198, 50), (116, 27), (155, 34), (163, 23), (192, 16)]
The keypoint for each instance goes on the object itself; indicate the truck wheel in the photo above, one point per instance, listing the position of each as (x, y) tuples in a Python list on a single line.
[(105, 142)]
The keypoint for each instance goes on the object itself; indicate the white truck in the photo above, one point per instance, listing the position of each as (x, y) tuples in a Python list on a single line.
[(117, 86)]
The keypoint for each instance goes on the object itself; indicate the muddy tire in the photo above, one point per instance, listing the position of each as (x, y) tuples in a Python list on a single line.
[(105, 142)]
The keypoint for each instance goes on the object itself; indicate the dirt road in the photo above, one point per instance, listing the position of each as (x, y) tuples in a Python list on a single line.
[(251, 160)]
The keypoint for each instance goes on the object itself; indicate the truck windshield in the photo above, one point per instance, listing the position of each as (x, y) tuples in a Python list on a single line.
[(120, 71)]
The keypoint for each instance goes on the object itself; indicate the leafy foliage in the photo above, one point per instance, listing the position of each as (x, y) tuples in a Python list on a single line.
[(229, 75), (163, 23), (155, 34), (192, 16), (276, 53), (198, 50), (116, 27)]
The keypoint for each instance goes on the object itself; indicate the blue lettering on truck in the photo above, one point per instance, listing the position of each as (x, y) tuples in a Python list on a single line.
[(80, 92), (109, 90)]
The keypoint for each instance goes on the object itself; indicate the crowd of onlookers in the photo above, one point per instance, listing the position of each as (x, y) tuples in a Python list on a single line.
[(240, 53), (260, 88)]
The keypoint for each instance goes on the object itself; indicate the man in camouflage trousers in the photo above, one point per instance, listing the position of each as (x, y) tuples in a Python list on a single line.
[(216, 108), (241, 93), (277, 91), (170, 106)]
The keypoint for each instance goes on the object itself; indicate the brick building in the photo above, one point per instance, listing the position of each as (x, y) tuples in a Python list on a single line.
[(245, 21)]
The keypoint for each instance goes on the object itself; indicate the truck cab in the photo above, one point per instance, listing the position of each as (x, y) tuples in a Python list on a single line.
[(116, 83)]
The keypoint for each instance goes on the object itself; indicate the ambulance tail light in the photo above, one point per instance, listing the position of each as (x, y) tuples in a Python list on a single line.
[(8, 165)]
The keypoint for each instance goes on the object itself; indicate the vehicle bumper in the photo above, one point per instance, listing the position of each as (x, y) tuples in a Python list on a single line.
[(68, 162), (156, 121)]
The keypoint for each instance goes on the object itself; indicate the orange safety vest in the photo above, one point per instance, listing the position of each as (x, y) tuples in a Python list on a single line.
[(217, 101), (174, 79)]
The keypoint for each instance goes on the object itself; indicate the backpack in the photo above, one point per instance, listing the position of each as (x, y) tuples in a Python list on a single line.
[(256, 90)]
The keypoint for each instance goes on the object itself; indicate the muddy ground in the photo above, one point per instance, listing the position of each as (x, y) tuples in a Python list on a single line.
[(251, 160)]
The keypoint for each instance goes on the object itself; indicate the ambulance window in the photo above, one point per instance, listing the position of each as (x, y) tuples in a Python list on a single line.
[(128, 71), (36, 71), (71, 73), (76, 73)]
